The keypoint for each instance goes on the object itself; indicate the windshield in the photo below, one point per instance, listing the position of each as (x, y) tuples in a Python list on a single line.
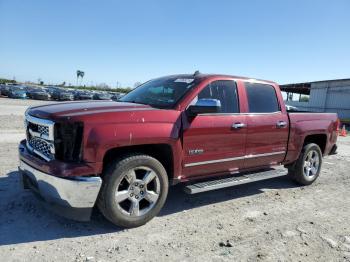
[(163, 92)]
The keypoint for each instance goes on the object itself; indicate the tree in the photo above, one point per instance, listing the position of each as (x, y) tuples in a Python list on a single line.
[(80, 74), (4, 81), (304, 98)]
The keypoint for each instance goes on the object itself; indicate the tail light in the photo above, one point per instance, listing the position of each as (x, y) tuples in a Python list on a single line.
[(338, 125)]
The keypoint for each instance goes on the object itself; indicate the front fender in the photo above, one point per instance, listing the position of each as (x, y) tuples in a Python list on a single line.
[(102, 138)]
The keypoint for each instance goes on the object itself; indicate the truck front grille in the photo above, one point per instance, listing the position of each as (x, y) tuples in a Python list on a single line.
[(40, 137), (43, 130), (41, 146)]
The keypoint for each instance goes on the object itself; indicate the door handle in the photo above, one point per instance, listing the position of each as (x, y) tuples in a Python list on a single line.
[(281, 124), (238, 125)]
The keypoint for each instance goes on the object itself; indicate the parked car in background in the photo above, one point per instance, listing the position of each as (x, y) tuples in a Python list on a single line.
[(101, 96), (18, 92), (115, 96), (66, 95), (38, 94), (53, 90), (83, 95), (61, 94), (1, 87), (292, 108), (5, 90), (30, 90)]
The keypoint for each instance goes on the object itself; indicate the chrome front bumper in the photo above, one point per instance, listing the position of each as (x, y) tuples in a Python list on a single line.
[(73, 197)]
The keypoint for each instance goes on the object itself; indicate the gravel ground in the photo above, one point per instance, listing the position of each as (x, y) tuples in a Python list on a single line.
[(264, 221)]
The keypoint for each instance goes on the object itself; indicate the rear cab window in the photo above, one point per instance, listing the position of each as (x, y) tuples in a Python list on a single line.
[(262, 98)]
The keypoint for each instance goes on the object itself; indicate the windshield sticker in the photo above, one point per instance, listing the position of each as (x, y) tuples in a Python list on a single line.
[(184, 80)]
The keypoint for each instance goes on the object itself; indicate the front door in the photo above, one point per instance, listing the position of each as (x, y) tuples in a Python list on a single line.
[(215, 143)]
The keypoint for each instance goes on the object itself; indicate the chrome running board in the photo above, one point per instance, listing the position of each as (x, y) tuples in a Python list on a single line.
[(233, 181)]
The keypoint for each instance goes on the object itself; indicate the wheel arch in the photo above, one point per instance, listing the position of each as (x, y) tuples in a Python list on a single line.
[(318, 139), (162, 152)]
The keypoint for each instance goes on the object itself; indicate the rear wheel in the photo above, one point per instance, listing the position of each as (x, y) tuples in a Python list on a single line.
[(308, 166), (134, 190)]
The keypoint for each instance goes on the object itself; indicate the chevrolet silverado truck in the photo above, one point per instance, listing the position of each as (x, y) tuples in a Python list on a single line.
[(205, 131)]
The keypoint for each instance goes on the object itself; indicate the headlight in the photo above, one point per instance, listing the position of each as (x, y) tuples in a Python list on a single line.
[(68, 141)]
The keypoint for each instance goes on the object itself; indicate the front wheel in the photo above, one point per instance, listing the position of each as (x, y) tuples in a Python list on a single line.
[(134, 190), (308, 166)]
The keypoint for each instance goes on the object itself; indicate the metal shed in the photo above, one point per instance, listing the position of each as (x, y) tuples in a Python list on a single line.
[(323, 96)]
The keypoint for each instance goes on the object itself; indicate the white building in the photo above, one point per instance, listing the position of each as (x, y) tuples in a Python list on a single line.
[(321, 96)]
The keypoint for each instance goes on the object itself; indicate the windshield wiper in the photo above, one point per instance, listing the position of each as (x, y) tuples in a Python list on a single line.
[(133, 102), (151, 105)]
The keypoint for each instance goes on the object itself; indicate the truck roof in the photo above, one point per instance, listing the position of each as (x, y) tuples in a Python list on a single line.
[(201, 76)]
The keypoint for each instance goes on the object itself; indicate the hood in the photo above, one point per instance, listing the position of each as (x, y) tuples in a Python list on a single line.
[(78, 109)]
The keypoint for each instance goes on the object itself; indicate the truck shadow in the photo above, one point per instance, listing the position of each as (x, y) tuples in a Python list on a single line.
[(179, 201), (23, 219)]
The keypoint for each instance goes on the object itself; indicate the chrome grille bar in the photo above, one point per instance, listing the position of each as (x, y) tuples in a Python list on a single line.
[(40, 136), (44, 123)]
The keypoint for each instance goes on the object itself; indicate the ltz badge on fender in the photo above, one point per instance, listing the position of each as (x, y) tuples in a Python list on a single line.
[(195, 151)]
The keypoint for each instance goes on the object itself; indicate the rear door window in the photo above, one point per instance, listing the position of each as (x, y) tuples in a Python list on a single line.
[(261, 98)]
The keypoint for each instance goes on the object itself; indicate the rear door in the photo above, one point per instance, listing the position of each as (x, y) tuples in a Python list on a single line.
[(267, 126), (211, 143)]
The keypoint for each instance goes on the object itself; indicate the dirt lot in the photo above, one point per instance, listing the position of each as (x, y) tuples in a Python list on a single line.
[(268, 221)]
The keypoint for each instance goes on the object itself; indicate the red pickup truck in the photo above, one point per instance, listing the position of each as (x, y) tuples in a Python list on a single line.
[(206, 131)]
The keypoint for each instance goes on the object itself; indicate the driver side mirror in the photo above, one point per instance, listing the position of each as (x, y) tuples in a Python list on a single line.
[(204, 106)]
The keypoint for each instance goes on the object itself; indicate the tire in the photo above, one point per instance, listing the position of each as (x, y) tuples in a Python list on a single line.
[(139, 179), (308, 166)]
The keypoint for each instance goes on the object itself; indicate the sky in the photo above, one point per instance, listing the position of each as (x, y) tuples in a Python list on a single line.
[(123, 42)]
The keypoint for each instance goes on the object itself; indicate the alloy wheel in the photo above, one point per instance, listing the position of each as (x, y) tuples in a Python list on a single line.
[(311, 164), (138, 191)]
